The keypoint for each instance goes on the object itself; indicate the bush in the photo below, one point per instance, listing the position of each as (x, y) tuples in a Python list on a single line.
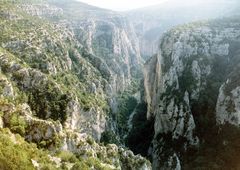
[(67, 156), (47, 100), (109, 137), (17, 124), (90, 140), (15, 153), (80, 165)]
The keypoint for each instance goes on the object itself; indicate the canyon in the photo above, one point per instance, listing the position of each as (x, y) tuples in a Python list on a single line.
[(88, 88)]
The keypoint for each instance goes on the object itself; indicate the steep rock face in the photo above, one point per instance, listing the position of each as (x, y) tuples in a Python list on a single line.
[(227, 109), (114, 42), (152, 81), (92, 122), (190, 85)]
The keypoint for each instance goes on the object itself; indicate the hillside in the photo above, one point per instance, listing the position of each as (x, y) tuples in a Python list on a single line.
[(57, 86)]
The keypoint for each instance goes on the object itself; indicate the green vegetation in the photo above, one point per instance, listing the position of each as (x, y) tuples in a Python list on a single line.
[(109, 137), (85, 163), (17, 124), (49, 101), (80, 165), (96, 163), (67, 156), (127, 104), (15, 153)]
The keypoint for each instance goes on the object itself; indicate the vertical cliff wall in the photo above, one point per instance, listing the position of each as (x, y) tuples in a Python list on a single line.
[(191, 87)]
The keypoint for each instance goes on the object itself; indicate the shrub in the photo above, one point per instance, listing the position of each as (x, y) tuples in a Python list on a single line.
[(47, 100), (67, 156), (15, 153), (80, 165), (17, 123), (109, 137), (90, 140)]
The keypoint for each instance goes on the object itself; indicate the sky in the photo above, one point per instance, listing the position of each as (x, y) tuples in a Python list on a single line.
[(122, 5)]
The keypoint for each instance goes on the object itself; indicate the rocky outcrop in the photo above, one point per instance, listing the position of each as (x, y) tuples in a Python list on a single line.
[(194, 62), (116, 54), (114, 41), (33, 82), (6, 87), (50, 134), (111, 156), (227, 109), (91, 122)]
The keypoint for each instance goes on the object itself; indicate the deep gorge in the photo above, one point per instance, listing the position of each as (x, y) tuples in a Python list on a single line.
[(83, 87)]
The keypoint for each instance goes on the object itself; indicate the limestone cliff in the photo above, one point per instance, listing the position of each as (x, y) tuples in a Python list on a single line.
[(191, 88)]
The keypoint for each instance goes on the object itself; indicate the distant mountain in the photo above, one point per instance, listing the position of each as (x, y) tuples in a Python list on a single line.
[(151, 22), (76, 9)]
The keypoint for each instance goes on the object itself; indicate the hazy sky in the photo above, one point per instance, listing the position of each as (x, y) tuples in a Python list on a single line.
[(121, 5)]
